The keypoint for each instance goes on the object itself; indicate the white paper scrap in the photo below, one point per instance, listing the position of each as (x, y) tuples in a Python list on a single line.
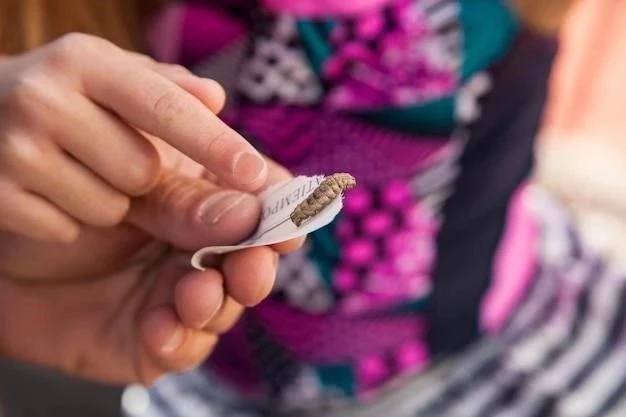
[(276, 226)]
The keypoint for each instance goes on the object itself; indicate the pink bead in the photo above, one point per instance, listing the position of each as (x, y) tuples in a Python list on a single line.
[(418, 286), (396, 195), (412, 19), (372, 369), (357, 201), (411, 355), (396, 243), (355, 51), (407, 264), (419, 218), (345, 279), (385, 286), (425, 251), (360, 252), (377, 224), (371, 26)]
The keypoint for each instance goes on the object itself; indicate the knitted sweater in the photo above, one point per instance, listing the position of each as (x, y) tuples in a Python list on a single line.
[(391, 91)]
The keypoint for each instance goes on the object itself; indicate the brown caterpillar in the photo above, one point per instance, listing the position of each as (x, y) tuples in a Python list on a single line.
[(329, 189)]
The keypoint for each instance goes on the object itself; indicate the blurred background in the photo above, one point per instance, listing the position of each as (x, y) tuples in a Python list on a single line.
[(27, 391)]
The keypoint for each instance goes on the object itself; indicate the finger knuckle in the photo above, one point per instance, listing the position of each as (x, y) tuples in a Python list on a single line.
[(73, 48), (167, 105), (113, 213), (214, 144), (8, 190), (26, 93), (142, 175), (20, 152), (167, 196), (34, 104)]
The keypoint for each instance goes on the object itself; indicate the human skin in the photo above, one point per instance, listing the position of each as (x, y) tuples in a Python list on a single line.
[(112, 169)]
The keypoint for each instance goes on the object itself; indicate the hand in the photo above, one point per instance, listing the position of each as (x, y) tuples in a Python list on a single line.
[(121, 306), (96, 154), (74, 149)]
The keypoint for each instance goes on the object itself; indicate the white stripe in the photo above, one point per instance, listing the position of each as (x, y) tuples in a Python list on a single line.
[(591, 338), (602, 310), (557, 377), (464, 368), (427, 4), (589, 398), (530, 353), (555, 256), (418, 395), (528, 406), (155, 411), (477, 399), (179, 392), (541, 294), (556, 245)]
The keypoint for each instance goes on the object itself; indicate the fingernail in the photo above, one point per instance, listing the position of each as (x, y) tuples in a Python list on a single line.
[(211, 315), (214, 208), (248, 167), (174, 341)]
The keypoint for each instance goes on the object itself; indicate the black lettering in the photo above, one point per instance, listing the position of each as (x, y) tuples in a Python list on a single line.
[(275, 209), (286, 202), (296, 194), (270, 210)]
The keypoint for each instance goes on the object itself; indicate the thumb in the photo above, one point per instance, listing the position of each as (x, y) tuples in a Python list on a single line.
[(191, 213)]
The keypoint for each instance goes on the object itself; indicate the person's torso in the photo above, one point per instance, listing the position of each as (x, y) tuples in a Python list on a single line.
[(419, 100)]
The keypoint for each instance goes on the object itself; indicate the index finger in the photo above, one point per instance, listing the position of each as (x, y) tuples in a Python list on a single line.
[(153, 103)]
